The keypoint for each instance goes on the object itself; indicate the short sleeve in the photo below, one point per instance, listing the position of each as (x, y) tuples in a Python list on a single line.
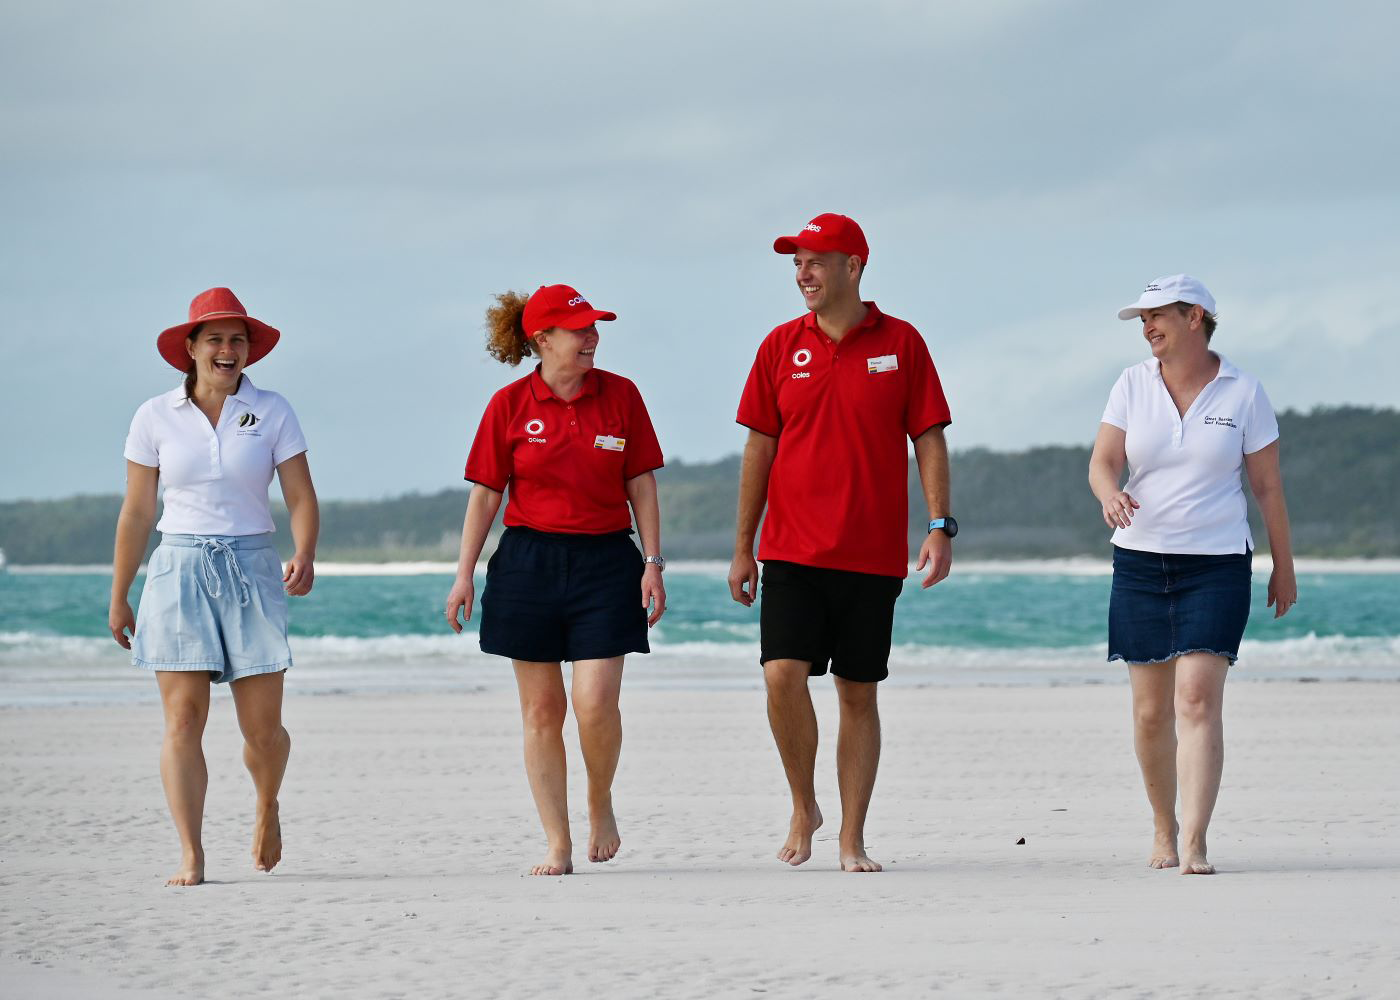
[(490, 461), (1116, 412), (290, 442), (140, 442), (643, 450), (926, 405), (758, 406), (1261, 425)]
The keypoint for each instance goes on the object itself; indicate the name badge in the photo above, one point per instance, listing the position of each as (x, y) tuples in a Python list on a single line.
[(609, 443), (884, 363)]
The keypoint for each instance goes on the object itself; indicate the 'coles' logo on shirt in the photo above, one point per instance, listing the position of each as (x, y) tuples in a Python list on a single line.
[(813, 227), (534, 428), (578, 300), (802, 358)]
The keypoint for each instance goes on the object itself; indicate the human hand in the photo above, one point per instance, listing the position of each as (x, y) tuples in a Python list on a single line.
[(459, 601), (743, 572), (119, 619), (937, 554), (653, 594), (1283, 589), (299, 575), (1118, 510)]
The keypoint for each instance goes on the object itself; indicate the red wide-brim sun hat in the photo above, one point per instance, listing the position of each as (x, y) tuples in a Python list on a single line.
[(216, 303)]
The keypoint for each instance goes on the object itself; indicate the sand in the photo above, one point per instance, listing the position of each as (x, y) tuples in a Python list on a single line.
[(409, 826)]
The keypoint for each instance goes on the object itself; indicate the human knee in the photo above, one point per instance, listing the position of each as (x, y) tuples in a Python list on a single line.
[(857, 696), (544, 713), (596, 712), (184, 722), (266, 739), (1153, 717), (785, 677), (1197, 703)]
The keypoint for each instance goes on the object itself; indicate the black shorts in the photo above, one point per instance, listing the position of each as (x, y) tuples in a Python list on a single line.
[(552, 597), (828, 615)]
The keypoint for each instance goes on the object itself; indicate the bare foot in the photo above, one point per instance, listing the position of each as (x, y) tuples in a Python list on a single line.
[(603, 838), (856, 860), (1164, 850), (1194, 861), (798, 846), (559, 861), (267, 838), (191, 871)]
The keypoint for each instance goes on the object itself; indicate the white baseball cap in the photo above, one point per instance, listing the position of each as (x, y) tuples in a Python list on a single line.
[(1165, 291)]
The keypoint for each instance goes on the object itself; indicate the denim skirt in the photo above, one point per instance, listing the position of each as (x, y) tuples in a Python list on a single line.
[(1164, 605), (552, 597)]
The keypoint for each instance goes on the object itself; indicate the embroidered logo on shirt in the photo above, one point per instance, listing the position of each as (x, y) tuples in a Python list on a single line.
[(534, 428), (802, 357), (884, 363), (1220, 422), (609, 443), (246, 423)]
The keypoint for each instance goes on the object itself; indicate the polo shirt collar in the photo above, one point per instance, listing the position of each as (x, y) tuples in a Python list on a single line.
[(1227, 370), (540, 389), (247, 394), (872, 317)]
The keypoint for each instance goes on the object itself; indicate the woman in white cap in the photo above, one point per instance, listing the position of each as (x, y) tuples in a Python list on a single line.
[(214, 604), (1186, 422), (576, 448)]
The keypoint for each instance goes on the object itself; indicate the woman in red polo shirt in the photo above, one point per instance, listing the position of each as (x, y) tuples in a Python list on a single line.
[(576, 447)]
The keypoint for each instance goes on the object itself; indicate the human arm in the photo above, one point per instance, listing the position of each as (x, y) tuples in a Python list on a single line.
[(641, 494), (134, 523), (759, 452), (931, 456), (1266, 482), (482, 506), (1106, 475), (294, 475)]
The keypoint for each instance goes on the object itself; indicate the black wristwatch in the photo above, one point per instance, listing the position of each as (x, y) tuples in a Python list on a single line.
[(948, 525)]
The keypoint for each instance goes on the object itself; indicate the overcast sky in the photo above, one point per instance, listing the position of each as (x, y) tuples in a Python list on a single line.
[(365, 179)]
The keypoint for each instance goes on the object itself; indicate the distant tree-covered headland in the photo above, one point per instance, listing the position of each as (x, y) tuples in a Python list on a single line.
[(1341, 470)]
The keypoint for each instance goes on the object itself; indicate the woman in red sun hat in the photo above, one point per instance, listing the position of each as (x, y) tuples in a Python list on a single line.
[(214, 605), (576, 448)]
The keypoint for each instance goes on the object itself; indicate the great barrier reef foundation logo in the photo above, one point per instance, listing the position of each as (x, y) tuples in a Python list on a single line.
[(1220, 422), (247, 424)]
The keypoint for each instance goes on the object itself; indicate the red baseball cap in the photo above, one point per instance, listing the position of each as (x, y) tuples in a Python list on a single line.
[(559, 305), (216, 303), (827, 233)]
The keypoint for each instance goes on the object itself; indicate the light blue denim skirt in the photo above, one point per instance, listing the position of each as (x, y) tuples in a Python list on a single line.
[(213, 603)]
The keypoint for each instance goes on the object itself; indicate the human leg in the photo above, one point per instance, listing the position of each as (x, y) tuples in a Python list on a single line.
[(1200, 759), (596, 686), (543, 704), (857, 760), (184, 697), (266, 747), (794, 724), (1154, 739)]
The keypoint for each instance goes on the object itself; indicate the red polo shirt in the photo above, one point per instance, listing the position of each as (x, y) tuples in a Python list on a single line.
[(843, 415), (566, 462)]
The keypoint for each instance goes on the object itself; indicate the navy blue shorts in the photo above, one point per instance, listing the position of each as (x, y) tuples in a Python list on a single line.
[(552, 597), (1164, 605)]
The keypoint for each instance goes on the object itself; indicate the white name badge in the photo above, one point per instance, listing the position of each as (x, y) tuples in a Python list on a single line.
[(608, 443), (884, 363)]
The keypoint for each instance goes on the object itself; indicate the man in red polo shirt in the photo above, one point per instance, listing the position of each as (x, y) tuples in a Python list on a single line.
[(832, 398)]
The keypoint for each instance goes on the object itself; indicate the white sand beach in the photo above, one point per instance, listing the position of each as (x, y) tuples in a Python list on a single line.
[(408, 827)]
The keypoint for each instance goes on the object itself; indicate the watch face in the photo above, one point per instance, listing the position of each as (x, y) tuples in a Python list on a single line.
[(950, 525)]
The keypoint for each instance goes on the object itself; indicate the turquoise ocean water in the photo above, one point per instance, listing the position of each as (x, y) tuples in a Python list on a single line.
[(386, 633)]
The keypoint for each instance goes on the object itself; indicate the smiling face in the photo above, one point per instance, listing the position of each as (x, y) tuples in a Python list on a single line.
[(1170, 330), (219, 351), (827, 279), (568, 352)]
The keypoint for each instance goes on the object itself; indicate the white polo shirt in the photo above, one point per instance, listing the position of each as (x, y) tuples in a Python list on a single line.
[(215, 479), (1185, 470)]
